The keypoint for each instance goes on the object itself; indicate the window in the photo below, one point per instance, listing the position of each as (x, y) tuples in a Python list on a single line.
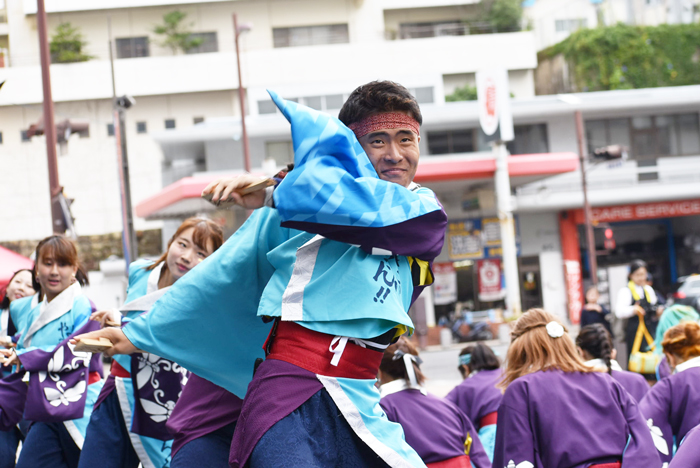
[(529, 139), (23, 136), (281, 151), (451, 141), (311, 35), (440, 28), (0, 138), (568, 25), (647, 137), (130, 47), (169, 123), (110, 129), (197, 120), (266, 107), (423, 95), (141, 127), (209, 43), (322, 103)]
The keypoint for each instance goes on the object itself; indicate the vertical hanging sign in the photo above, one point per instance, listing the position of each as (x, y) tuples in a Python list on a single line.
[(495, 116)]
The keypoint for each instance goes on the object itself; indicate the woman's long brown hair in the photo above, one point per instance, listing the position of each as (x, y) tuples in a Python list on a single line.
[(532, 349), (204, 230)]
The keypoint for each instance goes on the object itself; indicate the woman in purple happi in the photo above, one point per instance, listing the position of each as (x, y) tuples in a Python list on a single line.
[(440, 432), (21, 285), (595, 346), (63, 384), (478, 395), (558, 412), (672, 406)]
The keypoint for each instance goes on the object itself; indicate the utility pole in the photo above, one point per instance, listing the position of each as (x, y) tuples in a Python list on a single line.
[(241, 93), (55, 189), (119, 106), (590, 238)]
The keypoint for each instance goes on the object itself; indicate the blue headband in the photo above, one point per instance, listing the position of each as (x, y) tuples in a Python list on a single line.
[(465, 359)]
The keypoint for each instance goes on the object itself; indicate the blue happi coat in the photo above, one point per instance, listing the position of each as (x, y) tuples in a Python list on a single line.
[(153, 453), (42, 328), (344, 253)]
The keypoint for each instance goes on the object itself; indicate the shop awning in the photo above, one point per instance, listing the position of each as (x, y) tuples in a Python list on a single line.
[(10, 262), (182, 198)]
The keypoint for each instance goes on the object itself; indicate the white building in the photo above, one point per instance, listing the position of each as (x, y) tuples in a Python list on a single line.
[(553, 20), (314, 50)]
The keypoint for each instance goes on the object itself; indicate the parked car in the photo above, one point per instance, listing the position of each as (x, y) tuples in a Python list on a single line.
[(686, 291)]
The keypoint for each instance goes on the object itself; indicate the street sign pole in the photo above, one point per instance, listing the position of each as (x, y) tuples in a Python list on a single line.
[(496, 121)]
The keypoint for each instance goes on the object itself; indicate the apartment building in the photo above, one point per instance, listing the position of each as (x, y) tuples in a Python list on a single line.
[(316, 51)]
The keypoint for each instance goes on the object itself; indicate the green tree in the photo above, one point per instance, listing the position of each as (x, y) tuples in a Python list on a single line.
[(627, 57), (175, 34), (66, 45), (465, 93), (505, 15)]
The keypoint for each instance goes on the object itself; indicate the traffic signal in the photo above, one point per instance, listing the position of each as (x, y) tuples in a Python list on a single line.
[(609, 242)]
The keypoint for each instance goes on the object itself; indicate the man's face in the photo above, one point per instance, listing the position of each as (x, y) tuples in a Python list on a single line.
[(394, 154)]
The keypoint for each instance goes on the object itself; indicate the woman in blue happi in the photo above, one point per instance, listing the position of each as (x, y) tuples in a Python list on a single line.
[(63, 384), (332, 271), (124, 414), (21, 285)]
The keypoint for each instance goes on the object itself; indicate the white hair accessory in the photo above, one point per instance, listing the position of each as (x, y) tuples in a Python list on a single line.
[(554, 329)]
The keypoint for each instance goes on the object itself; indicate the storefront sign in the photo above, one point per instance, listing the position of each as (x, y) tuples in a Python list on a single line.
[(572, 271), (476, 238), (490, 284), (609, 214), (445, 285)]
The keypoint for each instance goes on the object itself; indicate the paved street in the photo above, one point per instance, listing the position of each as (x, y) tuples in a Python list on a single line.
[(440, 366)]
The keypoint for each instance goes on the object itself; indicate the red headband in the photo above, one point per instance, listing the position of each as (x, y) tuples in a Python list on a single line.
[(384, 120)]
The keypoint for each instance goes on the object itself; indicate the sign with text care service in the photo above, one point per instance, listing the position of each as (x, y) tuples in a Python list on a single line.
[(493, 96), (476, 238)]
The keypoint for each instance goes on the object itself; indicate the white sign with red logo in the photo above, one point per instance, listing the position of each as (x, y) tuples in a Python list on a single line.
[(489, 271), (445, 285), (494, 103), (574, 288)]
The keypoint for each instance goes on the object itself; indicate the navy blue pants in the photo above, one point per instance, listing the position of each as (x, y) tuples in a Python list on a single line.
[(9, 441), (210, 450), (48, 445), (315, 435), (107, 443)]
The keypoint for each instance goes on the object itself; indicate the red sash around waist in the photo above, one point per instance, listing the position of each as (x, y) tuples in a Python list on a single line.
[(118, 371), (607, 465), (456, 462), (94, 377), (489, 419), (311, 350)]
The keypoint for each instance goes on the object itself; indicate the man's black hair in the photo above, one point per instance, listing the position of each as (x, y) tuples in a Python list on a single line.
[(378, 97)]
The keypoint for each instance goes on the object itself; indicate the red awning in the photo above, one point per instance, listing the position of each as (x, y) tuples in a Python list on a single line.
[(10, 262), (182, 198)]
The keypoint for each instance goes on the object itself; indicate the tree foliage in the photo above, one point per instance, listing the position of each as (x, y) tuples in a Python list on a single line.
[(175, 34), (66, 45), (505, 15), (465, 93), (628, 57)]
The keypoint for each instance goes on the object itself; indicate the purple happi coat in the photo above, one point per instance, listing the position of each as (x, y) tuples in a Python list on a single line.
[(634, 383), (433, 426), (688, 453), (672, 406), (477, 395), (57, 387), (202, 409), (554, 419), (158, 383)]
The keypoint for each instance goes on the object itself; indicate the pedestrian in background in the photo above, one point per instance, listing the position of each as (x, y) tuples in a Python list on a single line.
[(592, 311)]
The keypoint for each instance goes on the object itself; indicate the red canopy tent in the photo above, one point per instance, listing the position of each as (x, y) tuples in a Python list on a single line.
[(9, 263)]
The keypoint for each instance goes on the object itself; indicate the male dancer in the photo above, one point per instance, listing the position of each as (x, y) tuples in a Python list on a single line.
[(337, 278)]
